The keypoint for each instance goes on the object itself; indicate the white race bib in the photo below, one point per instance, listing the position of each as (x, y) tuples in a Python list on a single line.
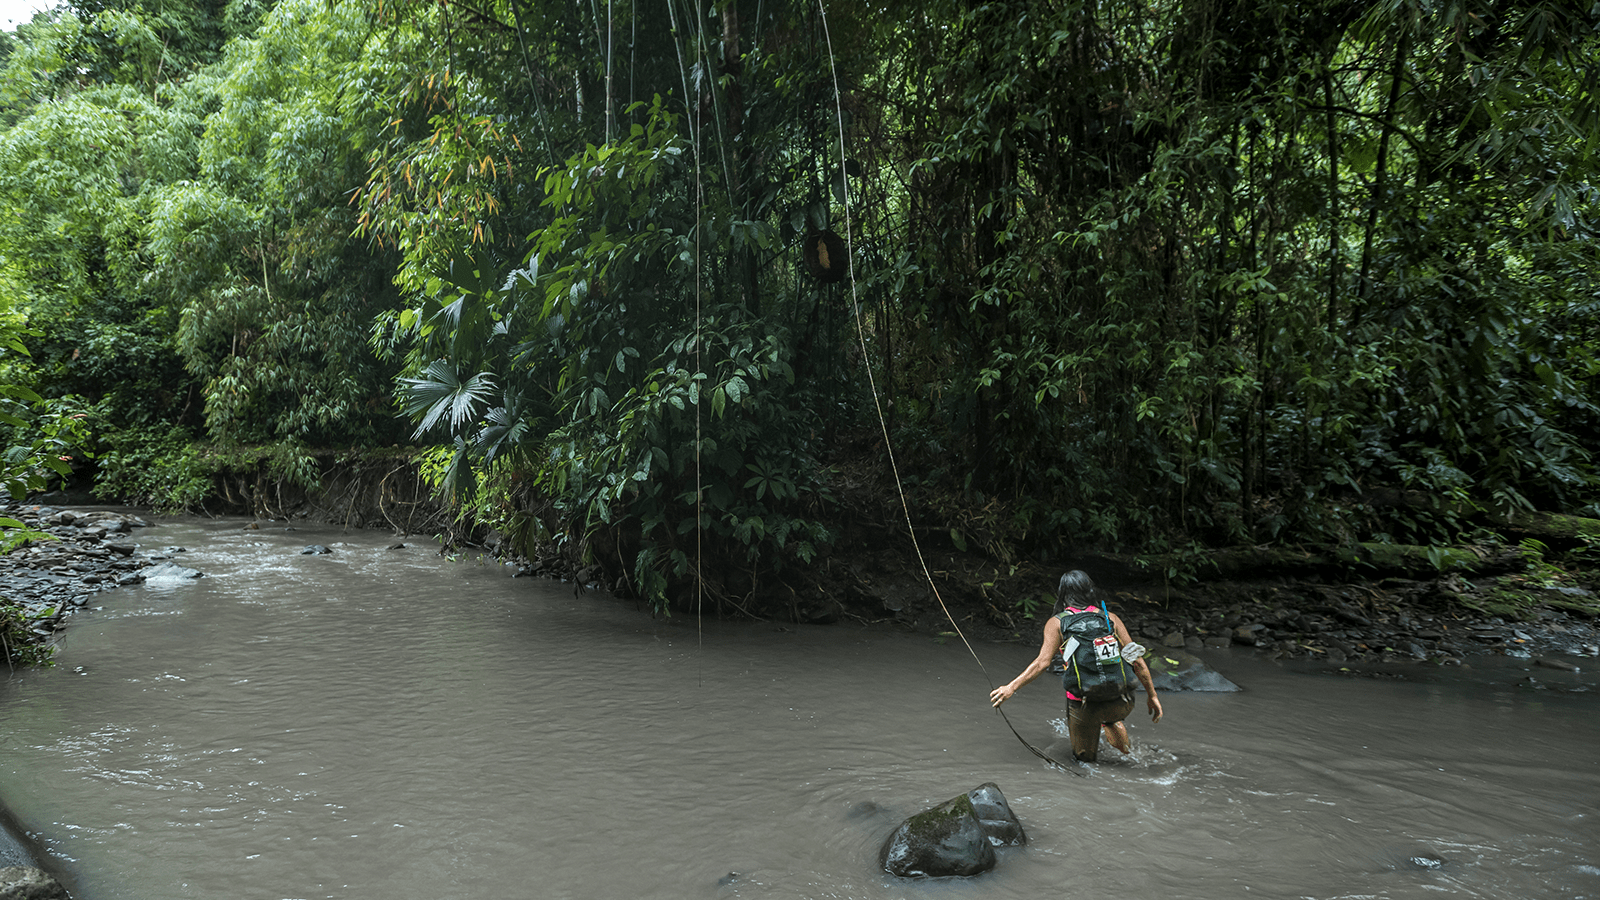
[(1106, 651)]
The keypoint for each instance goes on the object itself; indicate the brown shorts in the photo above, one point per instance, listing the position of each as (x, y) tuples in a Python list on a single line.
[(1084, 719)]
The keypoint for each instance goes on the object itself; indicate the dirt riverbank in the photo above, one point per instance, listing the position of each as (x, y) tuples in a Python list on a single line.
[(1358, 616), (1354, 623)]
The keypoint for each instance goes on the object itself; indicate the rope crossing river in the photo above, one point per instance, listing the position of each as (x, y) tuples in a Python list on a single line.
[(877, 404)]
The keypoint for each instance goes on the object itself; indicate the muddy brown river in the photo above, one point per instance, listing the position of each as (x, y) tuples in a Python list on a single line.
[(388, 724)]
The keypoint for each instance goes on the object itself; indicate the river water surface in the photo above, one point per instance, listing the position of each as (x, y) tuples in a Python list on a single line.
[(388, 724)]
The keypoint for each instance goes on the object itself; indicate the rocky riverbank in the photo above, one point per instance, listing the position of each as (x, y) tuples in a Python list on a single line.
[(81, 554), (1363, 623)]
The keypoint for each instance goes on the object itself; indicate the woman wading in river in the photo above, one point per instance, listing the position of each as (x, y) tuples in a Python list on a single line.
[(1097, 654)]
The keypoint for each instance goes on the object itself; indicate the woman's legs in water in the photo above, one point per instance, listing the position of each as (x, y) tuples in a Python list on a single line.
[(1085, 734), (1084, 721), (1117, 735)]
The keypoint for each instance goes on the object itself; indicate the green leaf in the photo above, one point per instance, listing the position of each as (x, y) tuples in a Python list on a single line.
[(440, 396)]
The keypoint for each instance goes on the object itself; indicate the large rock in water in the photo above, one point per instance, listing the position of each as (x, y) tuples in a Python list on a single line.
[(1176, 670), (955, 838), (28, 883)]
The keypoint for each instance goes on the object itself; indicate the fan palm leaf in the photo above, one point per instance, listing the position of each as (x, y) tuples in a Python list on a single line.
[(440, 396)]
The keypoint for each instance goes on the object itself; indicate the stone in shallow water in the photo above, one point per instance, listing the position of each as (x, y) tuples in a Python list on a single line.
[(1179, 670), (996, 817), (168, 570), (863, 809), (314, 550), (28, 883), (957, 837)]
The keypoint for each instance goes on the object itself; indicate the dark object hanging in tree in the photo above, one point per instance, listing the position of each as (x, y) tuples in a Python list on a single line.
[(825, 256)]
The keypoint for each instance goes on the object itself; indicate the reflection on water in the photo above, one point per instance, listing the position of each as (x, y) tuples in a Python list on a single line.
[(385, 724)]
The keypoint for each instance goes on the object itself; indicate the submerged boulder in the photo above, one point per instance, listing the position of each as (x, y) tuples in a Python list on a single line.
[(999, 823), (28, 883), (167, 570), (1177, 670), (957, 837)]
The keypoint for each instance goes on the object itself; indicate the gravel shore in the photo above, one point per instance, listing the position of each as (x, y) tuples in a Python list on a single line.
[(92, 551), (1356, 624)]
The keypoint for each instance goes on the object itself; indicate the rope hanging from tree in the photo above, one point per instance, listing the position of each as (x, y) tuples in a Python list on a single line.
[(819, 245)]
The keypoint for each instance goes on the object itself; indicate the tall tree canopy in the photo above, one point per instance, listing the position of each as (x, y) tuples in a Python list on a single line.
[(1131, 274), (1168, 272)]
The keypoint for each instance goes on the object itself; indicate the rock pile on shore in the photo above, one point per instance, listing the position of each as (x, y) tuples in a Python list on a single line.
[(46, 580), (1339, 623)]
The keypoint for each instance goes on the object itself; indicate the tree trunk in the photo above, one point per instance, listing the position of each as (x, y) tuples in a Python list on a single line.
[(1380, 178)]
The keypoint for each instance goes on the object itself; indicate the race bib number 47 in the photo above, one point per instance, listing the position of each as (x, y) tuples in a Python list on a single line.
[(1106, 651)]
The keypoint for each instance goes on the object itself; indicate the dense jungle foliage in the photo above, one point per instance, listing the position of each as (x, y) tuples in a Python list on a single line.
[(645, 275)]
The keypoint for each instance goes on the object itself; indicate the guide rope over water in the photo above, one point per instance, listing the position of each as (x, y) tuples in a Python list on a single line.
[(894, 468)]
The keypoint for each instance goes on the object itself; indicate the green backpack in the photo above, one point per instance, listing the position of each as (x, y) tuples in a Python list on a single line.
[(1091, 658)]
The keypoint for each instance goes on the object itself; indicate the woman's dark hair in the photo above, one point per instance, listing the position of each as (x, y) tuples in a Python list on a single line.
[(1076, 589)]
